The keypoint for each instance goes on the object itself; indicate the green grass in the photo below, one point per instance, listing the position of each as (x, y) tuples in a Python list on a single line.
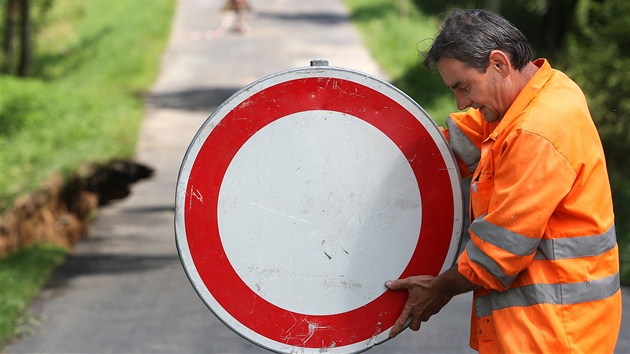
[(22, 275), (94, 61), (395, 43)]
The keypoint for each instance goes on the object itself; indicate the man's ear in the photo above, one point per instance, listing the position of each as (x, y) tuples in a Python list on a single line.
[(500, 62)]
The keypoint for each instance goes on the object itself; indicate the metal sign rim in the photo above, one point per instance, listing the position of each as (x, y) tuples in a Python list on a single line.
[(236, 99)]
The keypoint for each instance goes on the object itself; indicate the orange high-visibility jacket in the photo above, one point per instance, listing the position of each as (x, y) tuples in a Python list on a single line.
[(543, 242)]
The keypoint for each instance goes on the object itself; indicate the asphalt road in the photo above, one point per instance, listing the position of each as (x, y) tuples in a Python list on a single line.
[(123, 290)]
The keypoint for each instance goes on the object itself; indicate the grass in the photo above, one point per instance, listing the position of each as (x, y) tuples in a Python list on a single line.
[(84, 103), (22, 275), (94, 61)]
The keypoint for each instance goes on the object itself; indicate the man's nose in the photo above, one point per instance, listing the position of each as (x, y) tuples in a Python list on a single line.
[(462, 101)]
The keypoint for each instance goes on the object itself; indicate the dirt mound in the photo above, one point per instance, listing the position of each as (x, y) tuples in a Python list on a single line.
[(61, 211)]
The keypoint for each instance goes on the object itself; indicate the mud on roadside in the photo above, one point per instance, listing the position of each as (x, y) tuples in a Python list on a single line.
[(61, 211)]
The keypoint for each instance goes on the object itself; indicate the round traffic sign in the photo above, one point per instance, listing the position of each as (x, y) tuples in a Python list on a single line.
[(302, 194)]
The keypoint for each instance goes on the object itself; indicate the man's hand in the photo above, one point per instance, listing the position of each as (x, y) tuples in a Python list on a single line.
[(423, 302), (427, 296)]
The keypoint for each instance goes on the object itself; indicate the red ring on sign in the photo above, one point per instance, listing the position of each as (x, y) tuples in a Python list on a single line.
[(215, 156)]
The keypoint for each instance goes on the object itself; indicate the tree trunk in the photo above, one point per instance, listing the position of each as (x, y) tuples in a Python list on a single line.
[(9, 26), (25, 40), (557, 22)]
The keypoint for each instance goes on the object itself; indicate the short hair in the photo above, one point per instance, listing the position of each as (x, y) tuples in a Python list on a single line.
[(470, 35)]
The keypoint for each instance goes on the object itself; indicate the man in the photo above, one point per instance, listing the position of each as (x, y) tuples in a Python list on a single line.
[(543, 259)]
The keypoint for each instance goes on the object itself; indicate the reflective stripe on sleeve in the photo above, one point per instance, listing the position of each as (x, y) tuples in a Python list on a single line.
[(503, 238), (462, 146), (580, 246), (480, 258), (500, 237), (555, 294)]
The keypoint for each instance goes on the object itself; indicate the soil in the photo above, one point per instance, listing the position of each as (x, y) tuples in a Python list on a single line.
[(62, 210)]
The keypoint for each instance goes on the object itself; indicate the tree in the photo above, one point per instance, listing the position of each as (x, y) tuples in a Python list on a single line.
[(12, 9), (26, 55), (598, 57), (9, 24)]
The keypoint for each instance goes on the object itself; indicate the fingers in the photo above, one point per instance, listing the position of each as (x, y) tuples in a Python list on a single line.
[(395, 284), (415, 324), (398, 327), (405, 316), (402, 322)]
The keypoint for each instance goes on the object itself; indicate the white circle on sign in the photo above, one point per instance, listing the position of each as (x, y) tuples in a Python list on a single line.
[(316, 227)]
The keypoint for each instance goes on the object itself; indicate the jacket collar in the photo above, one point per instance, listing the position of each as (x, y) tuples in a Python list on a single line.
[(531, 90)]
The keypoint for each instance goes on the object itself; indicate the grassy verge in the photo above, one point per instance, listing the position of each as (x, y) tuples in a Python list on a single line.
[(22, 275), (94, 61)]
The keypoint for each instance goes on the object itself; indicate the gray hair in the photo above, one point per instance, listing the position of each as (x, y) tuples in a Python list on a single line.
[(470, 35)]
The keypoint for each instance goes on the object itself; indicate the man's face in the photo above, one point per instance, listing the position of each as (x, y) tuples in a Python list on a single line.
[(475, 89)]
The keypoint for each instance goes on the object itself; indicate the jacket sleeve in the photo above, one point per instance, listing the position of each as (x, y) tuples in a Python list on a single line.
[(464, 131), (531, 178)]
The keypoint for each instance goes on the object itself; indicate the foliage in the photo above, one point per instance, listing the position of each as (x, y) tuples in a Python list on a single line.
[(597, 57), (394, 43), (22, 275), (93, 62)]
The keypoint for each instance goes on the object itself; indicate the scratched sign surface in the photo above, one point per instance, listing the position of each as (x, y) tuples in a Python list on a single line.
[(301, 195)]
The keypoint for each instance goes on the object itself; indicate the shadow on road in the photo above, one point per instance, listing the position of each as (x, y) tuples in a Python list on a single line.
[(199, 99), (107, 264), (319, 18)]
